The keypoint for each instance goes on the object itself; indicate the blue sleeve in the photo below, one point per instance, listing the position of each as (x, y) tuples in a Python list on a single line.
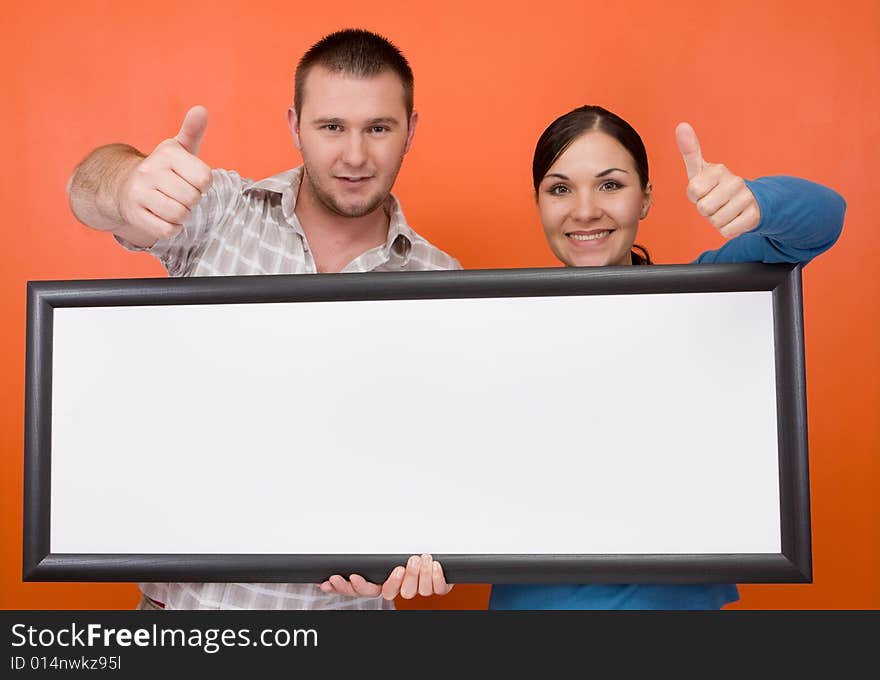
[(799, 220)]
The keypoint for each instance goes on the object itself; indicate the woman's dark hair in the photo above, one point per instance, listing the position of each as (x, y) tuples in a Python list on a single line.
[(567, 128)]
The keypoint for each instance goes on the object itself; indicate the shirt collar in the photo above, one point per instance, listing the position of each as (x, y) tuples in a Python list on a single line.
[(287, 183)]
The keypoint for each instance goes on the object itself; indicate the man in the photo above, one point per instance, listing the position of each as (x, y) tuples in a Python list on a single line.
[(353, 122)]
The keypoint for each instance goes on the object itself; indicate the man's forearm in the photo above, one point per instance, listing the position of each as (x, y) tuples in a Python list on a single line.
[(94, 187)]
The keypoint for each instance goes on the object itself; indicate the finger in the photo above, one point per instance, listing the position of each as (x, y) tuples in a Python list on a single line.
[(703, 183), (165, 208), (747, 220), (155, 226), (728, 186), (730, 210), (192, 170), (391, 587), (410, 585), (174, 186), (326, 587), (193, 129), (342, 586), (426, 581), (689, 146), (440, 585), (363, 587)]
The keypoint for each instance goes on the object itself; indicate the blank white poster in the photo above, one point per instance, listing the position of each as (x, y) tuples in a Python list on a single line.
[(621, 424)]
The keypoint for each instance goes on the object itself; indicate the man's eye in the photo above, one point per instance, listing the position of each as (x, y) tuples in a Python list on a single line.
[(378, 129), (332, 127)]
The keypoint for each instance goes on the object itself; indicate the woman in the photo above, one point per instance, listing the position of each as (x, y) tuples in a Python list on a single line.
[(590, 173)]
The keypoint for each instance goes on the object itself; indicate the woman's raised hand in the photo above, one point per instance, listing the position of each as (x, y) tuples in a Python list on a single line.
[(720, 196)]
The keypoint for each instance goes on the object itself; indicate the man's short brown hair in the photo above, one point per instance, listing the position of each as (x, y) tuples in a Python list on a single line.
[(358, 53)]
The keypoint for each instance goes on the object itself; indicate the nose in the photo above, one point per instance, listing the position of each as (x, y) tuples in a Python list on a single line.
[(587, 207), (354, 153)]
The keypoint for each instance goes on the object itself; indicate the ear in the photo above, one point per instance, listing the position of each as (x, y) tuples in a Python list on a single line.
[(411, 131), (293, 123), (647, 201)]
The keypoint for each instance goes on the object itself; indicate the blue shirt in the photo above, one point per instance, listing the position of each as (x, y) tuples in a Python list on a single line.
[(799, 220)]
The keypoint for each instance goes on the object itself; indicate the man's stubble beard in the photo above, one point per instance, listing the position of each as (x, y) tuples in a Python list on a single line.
[(328, 201)]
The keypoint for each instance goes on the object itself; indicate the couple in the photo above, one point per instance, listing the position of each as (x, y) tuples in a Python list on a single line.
[(353, 121)]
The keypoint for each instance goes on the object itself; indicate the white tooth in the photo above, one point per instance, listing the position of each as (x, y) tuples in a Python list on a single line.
[(589, 237)]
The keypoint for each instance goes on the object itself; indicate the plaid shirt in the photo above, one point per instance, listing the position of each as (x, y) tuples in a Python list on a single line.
[(244, 227)]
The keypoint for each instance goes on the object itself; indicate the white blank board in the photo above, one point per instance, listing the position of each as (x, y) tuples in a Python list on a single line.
[(622, 424)]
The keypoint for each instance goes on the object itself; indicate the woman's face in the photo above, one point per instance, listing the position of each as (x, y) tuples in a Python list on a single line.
[(590, 202)]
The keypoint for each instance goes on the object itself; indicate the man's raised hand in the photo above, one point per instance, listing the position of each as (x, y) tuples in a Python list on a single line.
[(159, 193)]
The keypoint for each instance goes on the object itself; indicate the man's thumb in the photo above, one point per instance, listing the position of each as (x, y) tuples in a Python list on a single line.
[(193, 129)]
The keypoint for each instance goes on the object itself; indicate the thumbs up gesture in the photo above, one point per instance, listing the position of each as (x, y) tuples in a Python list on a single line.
[(159, 193), (720, 196)]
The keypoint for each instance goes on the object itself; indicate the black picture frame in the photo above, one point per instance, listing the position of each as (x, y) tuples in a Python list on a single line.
[(793, 563)]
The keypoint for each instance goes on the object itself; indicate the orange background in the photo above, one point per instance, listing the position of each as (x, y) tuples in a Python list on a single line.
[(769, 89)]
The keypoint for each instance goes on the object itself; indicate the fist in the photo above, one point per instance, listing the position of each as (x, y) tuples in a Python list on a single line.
[(720, 196), (160, 192)]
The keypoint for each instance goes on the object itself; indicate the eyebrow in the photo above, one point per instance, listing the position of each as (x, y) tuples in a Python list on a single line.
[(601, 174), (385, 120), (327, 121)]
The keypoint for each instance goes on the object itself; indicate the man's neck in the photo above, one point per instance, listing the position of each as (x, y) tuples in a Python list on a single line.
[(333, 239)]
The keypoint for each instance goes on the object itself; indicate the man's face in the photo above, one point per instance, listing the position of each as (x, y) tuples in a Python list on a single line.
[(352, 133)]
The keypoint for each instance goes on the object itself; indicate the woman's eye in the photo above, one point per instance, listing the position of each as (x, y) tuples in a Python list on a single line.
[(558, 189), (610, 185)]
